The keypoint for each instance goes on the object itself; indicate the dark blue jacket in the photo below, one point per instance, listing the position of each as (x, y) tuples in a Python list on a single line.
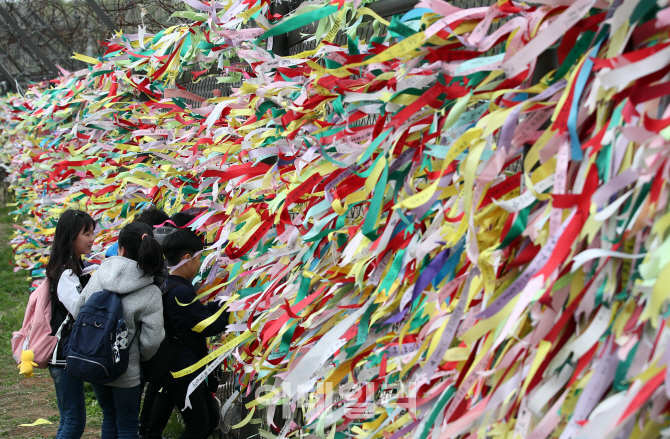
[(183, 318)]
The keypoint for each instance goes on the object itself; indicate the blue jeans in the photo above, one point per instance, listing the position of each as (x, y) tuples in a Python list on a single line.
[(71, 404), (120, 411)]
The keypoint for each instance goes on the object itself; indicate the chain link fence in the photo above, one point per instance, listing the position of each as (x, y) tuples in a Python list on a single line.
[(38, 34), (61, 27), (296, 42)]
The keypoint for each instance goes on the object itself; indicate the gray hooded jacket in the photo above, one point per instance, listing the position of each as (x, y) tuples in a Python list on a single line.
[(142, 309)]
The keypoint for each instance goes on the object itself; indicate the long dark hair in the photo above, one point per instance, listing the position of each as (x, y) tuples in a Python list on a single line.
[(62, 256), (138, 241)]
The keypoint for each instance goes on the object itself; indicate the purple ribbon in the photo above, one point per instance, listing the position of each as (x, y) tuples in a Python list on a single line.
[(425, 278)]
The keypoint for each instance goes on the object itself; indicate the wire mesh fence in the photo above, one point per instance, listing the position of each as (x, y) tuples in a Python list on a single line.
[(57, 28), (205, 87), (299, 41), (60, 27)]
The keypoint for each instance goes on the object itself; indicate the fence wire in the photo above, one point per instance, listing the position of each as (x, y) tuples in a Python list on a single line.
[(60, 27), (205, 88)]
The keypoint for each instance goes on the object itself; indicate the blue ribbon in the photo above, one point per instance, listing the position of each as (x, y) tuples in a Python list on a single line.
[(585, 72)]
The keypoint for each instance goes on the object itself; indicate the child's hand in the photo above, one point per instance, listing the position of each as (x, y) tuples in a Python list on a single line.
[(221, 299)]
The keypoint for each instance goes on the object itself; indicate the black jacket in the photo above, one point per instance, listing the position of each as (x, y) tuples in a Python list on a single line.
[(182, 319), (58, 314)]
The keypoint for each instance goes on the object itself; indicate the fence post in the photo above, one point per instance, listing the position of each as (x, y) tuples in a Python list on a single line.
[(279, 41), (47, 62), (11, 82), (102, 15)]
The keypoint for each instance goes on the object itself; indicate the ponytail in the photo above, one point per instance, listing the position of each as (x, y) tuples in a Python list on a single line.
[(141, 246), (150, 257)]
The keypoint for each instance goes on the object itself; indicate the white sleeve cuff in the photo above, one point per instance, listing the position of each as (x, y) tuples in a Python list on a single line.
[(68, 289)]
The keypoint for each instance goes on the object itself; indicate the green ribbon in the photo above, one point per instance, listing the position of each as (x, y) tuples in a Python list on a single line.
[(517, 228), (369, 229), (393, 272), (329, 132), (638, 202), (375, 143), (581, 46), (352, 45), (186, 46), (337, 105), (244, 292), (603, 162), (364, 325), (262, 108), (190, 15), (437, 408), (399, 30), (298, 21), (234, 77), (645, 11)]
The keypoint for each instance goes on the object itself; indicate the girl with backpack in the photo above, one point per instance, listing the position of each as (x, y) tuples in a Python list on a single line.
[(65, 270), (131, 276)]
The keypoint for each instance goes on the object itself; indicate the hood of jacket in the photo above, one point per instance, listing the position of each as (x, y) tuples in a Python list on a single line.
[(161, 232), (122, 275)]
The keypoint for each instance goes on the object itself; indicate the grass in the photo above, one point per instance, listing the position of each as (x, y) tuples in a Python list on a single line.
[(174, 427), (93, 410), (13, 286), (13, 300)]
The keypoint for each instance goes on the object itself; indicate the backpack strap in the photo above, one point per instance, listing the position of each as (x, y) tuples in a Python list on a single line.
[(52, 291), (56, 305), (54, 297), (166, 288), (54, 357)]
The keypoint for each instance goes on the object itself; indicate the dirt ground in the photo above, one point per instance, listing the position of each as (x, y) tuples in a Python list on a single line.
[(24, 400)]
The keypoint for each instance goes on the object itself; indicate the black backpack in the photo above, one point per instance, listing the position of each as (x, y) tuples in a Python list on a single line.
[(99, 347), (157, 368)]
